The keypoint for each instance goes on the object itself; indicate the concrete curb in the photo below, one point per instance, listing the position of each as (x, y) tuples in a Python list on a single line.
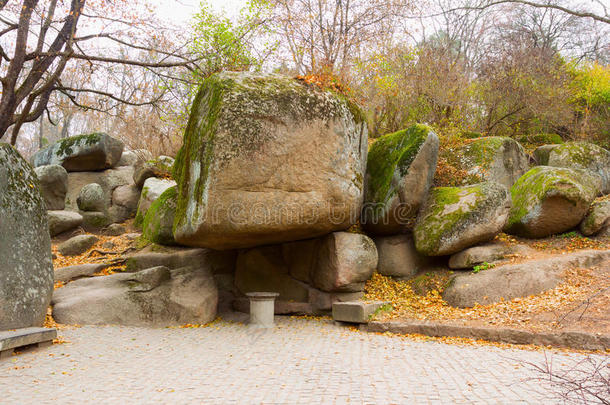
[(572, 340)]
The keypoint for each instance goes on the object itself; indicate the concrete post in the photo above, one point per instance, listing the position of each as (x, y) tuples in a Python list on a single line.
[(262, 308)]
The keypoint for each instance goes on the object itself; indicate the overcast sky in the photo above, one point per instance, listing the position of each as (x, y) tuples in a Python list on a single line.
[(181, 10)]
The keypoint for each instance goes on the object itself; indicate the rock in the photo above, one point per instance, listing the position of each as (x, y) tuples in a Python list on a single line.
[(541, 154), (124, 203), (517, 280), (398, 256), (26, 270), (159, 219), (263, 269), (94, 220), (488, 253), (278, 160), (597, 219), (549, 200), (356, 311), (70, 273), (159, 167), (134, 157), (399, 174), (499, 159), (153, 297), (81, 153), (53, 185), (301, 257), (91, 198), (455, 218), (345, 262), (583, 155), (77, 245), (133, 236), (153, 188), (114, 230), (62, 221), (215, 261), (109, 180)]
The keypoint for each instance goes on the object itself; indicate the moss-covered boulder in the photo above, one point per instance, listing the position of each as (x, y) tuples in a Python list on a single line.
[(152, 190), (97, 151), (583, 155), (26, 268), (399, 173), (454, 218), (597, 219), (541, 154), (53, 185), (494, 158), (549, 200), (159, 219), (158, 167), (268, 159)]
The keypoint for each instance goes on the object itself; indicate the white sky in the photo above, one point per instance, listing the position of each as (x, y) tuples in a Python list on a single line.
[(179, 11)]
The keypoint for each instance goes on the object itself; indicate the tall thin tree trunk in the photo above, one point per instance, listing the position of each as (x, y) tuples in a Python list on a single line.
[(40, 131)]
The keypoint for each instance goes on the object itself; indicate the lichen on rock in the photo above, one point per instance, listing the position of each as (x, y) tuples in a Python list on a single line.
[(157, 225)]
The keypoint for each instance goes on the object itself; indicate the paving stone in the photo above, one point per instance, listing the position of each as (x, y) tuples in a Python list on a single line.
[(298, 362)]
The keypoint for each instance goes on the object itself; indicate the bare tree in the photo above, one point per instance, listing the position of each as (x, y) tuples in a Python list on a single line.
[(38, 41), (327, 34)]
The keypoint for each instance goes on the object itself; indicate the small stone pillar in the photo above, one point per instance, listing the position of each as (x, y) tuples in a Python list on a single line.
[(262, 308)]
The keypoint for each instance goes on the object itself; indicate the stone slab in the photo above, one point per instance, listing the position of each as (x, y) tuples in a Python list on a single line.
[(569, 339), (12, 339), (355, 311)]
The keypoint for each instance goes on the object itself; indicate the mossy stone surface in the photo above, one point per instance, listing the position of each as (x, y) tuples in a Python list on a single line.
[(583, 155), (26, 270), (549, 200), (455, 218), (400, 169), (159, 219), (269, 141), (493, 158), (89, 152), (597, 219)]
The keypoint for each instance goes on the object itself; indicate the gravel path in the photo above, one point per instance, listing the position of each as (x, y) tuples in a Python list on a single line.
[(300, 361)]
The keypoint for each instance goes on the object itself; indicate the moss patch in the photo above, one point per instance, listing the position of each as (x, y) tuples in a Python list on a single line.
[(158, 221), (65, 147), (390, 154)]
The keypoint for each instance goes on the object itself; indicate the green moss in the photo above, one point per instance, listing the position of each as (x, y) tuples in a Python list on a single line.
[(579, 154), (438, 220), (65, 146), (542, 139), (158, 221), (482, 152), (541, 182), (390, 154)]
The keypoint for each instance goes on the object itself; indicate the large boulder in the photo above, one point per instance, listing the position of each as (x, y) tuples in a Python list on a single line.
[(159, 219), (398, 256), (152, 190), (26, 270), (62, 221), (268, 159), (133, 157), (159, 167), (598, 218), (517, 280), (91, 198), (53, 186), (153, 297), (494, 158), (399, 173), (582, 155), (109, 180), (81, 153), (549, 200), (346, 260), (454, 218)]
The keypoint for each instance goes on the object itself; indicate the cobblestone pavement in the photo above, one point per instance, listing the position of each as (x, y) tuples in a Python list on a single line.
[(300, 361)]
